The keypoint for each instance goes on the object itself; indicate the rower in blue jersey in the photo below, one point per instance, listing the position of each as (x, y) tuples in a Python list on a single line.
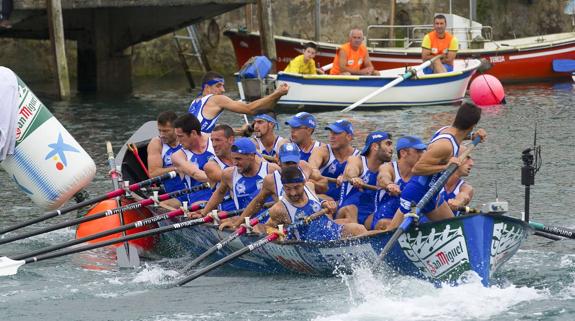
[(441, 152), (191, 159), (302, 126), (289, 156), (245, 179), (330, 159), (160, 150), (211, 102), (299, 202), (222, 139), (267, 141), (356, 202), (392, 178), (457, 192)]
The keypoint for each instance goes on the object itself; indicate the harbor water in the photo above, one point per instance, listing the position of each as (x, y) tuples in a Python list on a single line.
[(538, 283)]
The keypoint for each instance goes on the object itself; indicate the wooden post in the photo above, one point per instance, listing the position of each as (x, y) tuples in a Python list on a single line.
[(249, 17), (266, 32), (392, 23), (56, 28), (317, 20)]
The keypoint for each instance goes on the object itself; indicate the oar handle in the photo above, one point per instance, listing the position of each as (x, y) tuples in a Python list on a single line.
[(364, 186)]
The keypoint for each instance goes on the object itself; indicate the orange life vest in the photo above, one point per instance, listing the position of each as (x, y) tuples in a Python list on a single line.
[(355, 58)]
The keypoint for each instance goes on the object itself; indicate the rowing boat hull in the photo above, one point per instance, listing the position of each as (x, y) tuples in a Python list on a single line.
[(441, 252), (515, 60)]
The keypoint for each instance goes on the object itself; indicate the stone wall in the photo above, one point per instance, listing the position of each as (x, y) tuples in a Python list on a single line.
[(509, 18)]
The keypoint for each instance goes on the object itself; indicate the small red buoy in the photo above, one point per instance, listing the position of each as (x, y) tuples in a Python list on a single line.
[(486, 90), (113, 221)]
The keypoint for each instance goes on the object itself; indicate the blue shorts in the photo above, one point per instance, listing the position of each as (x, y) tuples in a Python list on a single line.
[(413, 193), (364, 201), (428, 70), (385, 210)]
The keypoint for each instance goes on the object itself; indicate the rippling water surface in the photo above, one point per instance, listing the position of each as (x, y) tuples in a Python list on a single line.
[(536, 284)]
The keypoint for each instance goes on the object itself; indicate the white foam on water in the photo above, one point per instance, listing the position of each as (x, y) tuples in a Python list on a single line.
[(385, 297), (155, 275)]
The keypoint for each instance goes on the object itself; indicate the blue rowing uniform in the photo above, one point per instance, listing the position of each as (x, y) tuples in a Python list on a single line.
[(364, 201), (199, 160), (320, 229), (275, 148), (176, 183), (333, 168), (197, 109), (246, 188), (305, 155), (445, 196), (228, 203), (385, 204), (419, 185)]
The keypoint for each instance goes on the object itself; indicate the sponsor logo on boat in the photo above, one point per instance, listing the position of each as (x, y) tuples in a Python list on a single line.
[(27, 112), (496, 59), (445, 258), (58, 152), (505, 242)]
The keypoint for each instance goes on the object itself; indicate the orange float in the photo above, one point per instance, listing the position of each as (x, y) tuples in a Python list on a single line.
[(109, 222)]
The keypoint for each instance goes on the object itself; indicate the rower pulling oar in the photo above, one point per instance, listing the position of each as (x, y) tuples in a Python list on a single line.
[(109, 195), (9, 266), (408, 219), (410, 73), (128, 207), (280, 233)]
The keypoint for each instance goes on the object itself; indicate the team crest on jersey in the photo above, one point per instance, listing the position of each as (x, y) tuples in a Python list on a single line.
[(332, 168), (316, 207), (365, 179), (241, 188), (259, 184), (168, 160)]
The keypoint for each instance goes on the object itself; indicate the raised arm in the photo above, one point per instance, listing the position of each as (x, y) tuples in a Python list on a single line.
[(435, 159), (253, 107)]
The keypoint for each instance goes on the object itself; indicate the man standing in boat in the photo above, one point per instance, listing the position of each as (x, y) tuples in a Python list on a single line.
[(299, 202), (302, 126), (392, 178), (304, 63), (330, 159), (160, 150), (357, 203), (442, 151), (438, 42), (222, 139), (264, 131), (191, 159), (352, 57), (211, 102)]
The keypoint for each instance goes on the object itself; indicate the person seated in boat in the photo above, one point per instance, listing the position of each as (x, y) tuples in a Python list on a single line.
[(304, 63), (457, 192), (438, 42), (160, 150), (330, 159), (442, 151), (211, 101), (298, 202), (222, 140), (191, 159), (245, 179), (352, 57), (302, 126), (264, 131), (392, 178), (289, 156), (356, 202)]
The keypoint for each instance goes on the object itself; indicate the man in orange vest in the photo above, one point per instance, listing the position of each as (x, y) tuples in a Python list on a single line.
[(352, 57), (439, 42)]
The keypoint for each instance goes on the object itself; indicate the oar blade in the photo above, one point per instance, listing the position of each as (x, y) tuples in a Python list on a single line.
[(127, 256), (9, 266)]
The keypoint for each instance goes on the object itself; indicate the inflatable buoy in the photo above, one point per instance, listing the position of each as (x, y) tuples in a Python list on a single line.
[(486, 90), (113, 221), (47, 163)]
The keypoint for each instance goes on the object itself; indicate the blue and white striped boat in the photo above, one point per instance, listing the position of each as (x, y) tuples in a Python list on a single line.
[(342, 91)]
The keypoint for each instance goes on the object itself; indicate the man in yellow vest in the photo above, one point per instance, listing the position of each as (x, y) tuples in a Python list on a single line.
[(352, 57), (439, 42)]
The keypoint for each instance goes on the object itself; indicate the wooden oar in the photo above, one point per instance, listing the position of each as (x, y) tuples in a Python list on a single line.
[(134, 149), (109, 195), (140, 223), (238, 232), (257, 244), (408, 220), (364, 186), (408, 74), (9, 266), (88, 218)]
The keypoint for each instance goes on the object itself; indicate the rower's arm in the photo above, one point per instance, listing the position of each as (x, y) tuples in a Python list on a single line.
[(155, 163), (219, 194), (318, 157), (426, 54), (385, 175), (258, 202), (278, 215), (352, 168), (213, 172), (253, 107), (183, 166), (434, 160), (464, 197), (320, 182)]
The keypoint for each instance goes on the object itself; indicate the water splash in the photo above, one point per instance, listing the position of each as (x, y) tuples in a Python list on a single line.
[(153, 274)]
